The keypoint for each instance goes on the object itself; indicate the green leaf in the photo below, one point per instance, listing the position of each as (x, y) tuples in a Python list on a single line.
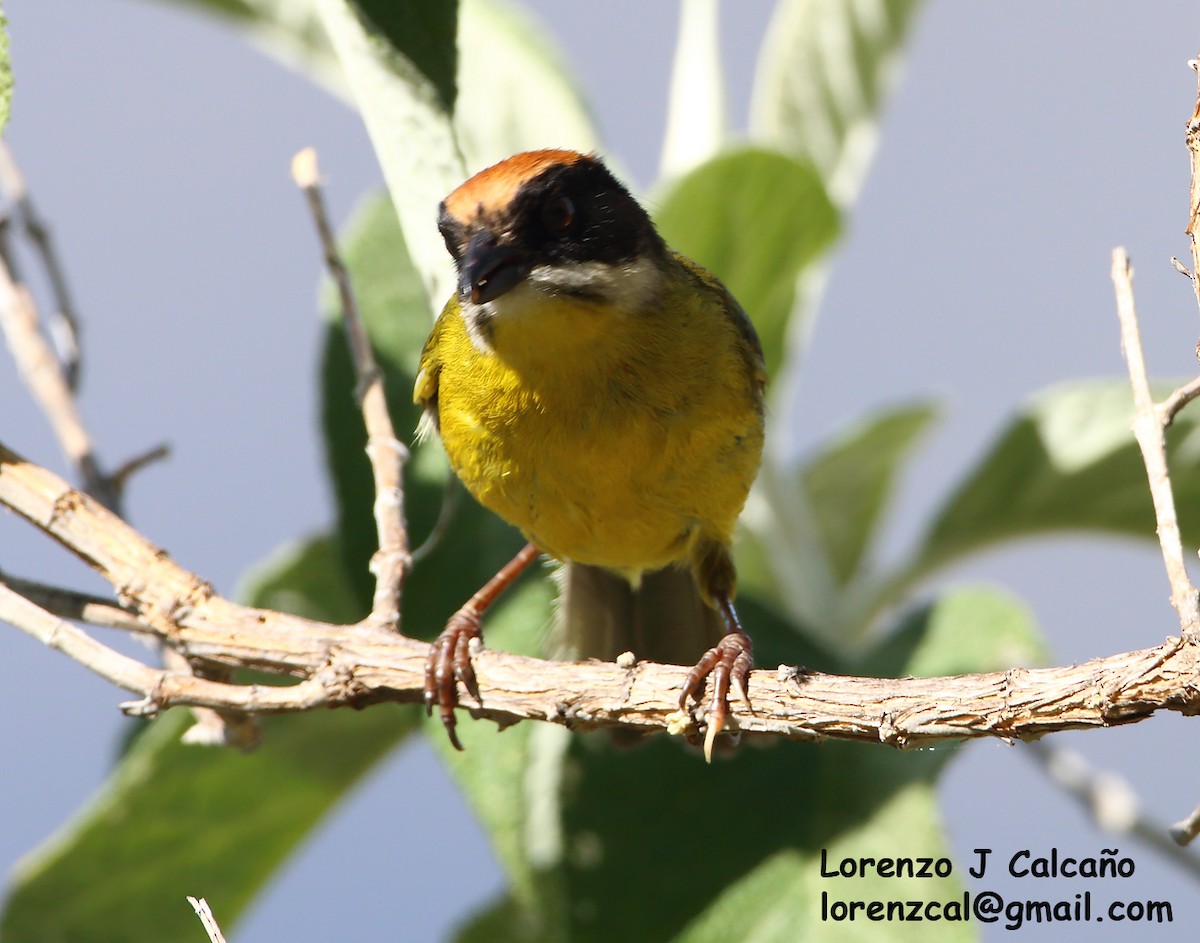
[(6, 79), (823, 74), (967, 630), (866, 801), (720, 867), (511, 777), (304, 578), (1067, 462), (850, 480), (655, 832), (756, 219), (424, 32), (507, 62), (696, 122), (709, 840), (808, 533), (289, 30), (174, 819), (421, 31), (410, 129), (788, 892), (396, 61)]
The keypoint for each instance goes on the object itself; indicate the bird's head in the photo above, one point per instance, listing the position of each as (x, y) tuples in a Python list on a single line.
[(548, 233)]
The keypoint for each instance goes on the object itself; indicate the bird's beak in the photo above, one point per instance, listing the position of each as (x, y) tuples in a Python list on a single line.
[(490, 269)]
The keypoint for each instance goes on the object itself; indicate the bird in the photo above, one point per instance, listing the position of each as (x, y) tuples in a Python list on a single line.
[(604, 394)]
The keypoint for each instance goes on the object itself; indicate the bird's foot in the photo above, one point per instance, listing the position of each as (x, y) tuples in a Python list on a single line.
[(448, 663), (725, 666)]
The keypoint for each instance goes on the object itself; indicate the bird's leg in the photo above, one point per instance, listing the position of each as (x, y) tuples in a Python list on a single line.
[(728, 664), (449, 659)]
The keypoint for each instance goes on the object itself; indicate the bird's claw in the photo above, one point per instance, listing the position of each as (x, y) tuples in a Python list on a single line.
[(449, 662), (728, 664)]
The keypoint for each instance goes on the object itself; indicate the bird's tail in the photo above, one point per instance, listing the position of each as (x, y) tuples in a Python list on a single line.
[(601, 615)]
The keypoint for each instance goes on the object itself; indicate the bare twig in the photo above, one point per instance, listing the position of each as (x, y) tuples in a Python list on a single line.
[(1192, 137), (1169, 408), (1184, 832), (52, 378), (64, 325), (130, 467), (1151, 421), (46, 381), (70, 604), (1110, 800), (157, 687), (204, 912), (1148, 425), (388, 455)]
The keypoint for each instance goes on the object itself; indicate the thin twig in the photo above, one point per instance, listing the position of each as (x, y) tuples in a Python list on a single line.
[(1192, 138), (391, 562), (1184, 832), (51, 378), (157, 688), (64, 325), (204, 912), (44, 376), (1148, 430), (1169, 408), (70, 604), (52, 381), (1110, 800), (130, 467)]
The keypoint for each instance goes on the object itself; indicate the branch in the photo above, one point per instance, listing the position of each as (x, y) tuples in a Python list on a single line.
[(391, 562), (363, 664), (51, 380), (44, 376), (71, 604), (1149, 425), (1192, 139), (64, 325), (209, 922)]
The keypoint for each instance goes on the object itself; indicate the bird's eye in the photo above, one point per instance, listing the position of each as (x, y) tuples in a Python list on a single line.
[(558, 215)]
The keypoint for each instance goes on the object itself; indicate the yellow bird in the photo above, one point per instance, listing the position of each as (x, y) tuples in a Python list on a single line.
[(603, 394)]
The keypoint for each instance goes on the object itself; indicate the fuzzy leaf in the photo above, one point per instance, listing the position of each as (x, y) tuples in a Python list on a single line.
[(756, 219), (824, 72), (1067, 462), (422, 31), (410, 128), (808, 533), (174, 818), (6, 78), (507, 61)]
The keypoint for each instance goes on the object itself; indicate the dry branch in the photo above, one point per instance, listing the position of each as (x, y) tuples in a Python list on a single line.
[(362, 664), (204, 912), (63, 323), (391, 562), (1150, 421)]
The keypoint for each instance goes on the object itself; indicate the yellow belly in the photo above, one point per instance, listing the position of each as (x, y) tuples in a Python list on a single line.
[(619, 445), (626, 491)]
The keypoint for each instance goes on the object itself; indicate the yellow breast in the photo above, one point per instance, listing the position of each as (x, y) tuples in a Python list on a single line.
[(608, 437)]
